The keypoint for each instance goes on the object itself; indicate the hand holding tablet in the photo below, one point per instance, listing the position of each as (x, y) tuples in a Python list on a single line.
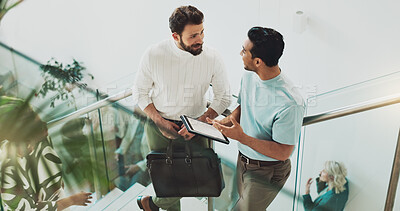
[(203, 129)]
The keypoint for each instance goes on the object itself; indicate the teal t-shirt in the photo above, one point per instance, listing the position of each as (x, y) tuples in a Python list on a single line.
[(271, 110)]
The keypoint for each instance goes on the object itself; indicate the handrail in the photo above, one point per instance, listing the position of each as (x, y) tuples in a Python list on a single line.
[(309, 120), (107, 101), (352, 109), (19, 53)]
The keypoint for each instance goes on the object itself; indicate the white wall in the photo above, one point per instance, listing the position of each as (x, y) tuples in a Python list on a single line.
[(345, 42)]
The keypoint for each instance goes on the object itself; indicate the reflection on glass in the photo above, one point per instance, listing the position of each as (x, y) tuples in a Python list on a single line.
[(332, 188), (364, 142)]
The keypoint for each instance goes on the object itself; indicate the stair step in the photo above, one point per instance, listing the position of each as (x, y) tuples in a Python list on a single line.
[(194, 204), (106, 200), (187, 203), (126, 197), (132, 204)]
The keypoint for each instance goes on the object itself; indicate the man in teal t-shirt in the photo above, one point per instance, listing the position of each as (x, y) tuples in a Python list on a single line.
[(270, 114)]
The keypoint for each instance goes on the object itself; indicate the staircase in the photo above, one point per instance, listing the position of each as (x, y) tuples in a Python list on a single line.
[(126, 201)]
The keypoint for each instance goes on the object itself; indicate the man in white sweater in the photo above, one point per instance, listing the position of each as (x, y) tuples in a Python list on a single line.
[(173, 78)]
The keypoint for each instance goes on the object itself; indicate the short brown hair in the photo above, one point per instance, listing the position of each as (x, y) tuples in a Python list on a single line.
[(183, 16)]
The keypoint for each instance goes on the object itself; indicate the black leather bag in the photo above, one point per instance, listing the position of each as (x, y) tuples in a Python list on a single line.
[(185, 173)]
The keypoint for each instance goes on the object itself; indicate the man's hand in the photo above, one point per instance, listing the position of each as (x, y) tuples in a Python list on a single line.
[(132, 170), (309, 182), (210, 113), (168, 129), (211, 121), (203, 118), (234, 132), (185, 134)]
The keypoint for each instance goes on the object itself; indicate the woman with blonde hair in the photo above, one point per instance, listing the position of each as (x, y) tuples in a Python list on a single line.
[(332, 187)]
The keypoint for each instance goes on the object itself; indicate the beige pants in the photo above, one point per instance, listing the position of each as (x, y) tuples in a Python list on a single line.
[(258, 186), (158, 142)]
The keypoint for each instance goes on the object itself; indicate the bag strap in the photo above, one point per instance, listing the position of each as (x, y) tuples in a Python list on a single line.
[(188, 159), (170, 152)]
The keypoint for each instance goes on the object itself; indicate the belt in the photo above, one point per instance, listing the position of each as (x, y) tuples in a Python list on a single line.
[(247, 160)]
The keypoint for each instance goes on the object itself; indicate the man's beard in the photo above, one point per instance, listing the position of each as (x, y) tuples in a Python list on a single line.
[(191, 49)]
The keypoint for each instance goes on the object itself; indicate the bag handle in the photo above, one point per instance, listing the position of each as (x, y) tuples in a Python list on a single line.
[(170, 152)]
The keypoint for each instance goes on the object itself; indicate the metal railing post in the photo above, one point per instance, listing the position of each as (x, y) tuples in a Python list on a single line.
[(210, 200), (394, 178)]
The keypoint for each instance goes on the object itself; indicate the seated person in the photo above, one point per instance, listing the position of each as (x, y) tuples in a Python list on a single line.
[(333, 189), (30, 170)]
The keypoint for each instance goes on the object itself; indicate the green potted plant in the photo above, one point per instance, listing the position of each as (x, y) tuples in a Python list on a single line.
[(62, 79)]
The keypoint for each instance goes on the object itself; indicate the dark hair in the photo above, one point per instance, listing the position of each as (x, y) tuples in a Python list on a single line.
[(184, 15), (268, 45)]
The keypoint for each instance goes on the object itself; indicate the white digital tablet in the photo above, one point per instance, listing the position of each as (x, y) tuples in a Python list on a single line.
[(201, 128)]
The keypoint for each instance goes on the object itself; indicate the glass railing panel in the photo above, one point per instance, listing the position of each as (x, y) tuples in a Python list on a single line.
[(77, 100), (86, 145), (15, 69), (6, 60), (21, 75), (82, 164), (73, 142), (88, 148), (7, 78), (397, 199), (123, 84), (80, 100), (364, 142), (83, 167), (228, 154), (124, 146), (26, 72), (361, 92)]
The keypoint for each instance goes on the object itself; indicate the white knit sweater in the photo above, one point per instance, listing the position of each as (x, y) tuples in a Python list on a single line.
[(176, 82)]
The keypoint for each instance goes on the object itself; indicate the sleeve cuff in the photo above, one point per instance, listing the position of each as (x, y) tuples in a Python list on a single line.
[(220, 106), (144, 103), (307, 197), (218, 109)]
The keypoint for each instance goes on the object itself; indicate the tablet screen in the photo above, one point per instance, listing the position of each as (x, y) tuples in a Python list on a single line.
[(202, 128)]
